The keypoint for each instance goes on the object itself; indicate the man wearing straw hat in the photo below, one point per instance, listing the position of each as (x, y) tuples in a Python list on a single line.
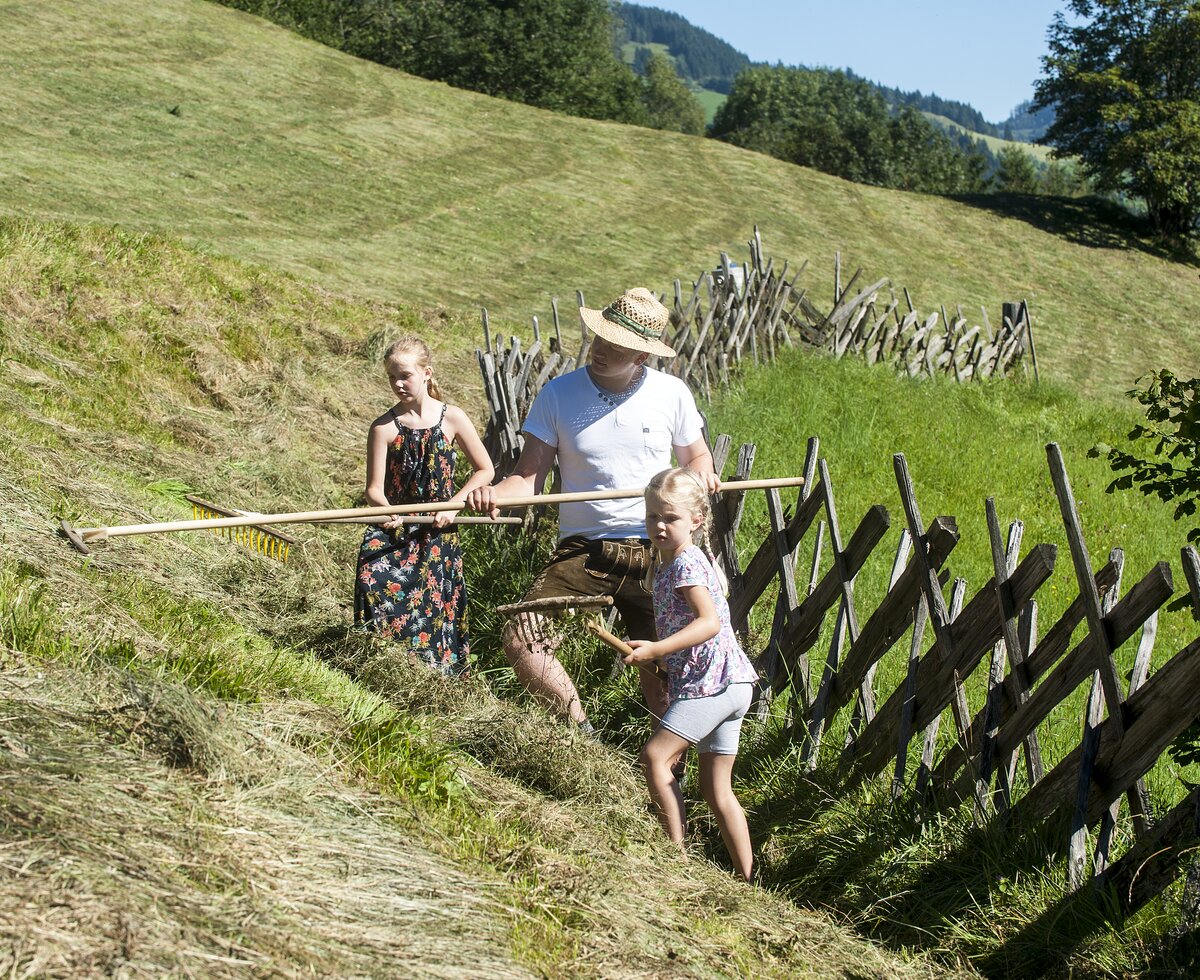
[(611, 424)]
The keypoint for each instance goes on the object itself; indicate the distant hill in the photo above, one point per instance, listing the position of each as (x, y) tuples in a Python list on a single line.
[(708, 63), (1026, 125), (700, 57)]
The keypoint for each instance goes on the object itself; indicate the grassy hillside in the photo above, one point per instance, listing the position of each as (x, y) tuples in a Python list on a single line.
[(178, 676), (994, 143), (204, 771), (193, 120), (204, 755)]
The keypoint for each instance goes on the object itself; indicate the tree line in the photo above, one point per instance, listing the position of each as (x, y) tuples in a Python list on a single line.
[(964, 115), (1123, 80), (699, 56)]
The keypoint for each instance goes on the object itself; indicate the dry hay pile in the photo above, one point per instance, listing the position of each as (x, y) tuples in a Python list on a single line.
[(146, 832), (600, 865)]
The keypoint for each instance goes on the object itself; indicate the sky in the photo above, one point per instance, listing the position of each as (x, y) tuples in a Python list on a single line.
[(982, 52)]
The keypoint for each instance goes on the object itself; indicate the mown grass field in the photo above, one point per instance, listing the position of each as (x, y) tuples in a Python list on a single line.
[(134, 368), (193, 120), (204, 770)]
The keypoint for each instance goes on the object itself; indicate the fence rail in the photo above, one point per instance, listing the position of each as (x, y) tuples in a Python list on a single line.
[(743, 314), (990, 642)]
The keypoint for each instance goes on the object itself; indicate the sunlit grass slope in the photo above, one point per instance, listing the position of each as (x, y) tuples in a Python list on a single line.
[(189, 119), (202, 771), (963, 444), (937, 881)]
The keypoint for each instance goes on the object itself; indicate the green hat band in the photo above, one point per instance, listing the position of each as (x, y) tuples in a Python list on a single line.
[(619, 318)]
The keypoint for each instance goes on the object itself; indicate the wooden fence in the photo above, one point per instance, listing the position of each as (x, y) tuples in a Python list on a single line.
[(1025, 671), (740, 314)]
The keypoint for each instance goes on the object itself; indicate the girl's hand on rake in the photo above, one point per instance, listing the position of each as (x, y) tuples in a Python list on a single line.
[(644, 652), (443, 518)]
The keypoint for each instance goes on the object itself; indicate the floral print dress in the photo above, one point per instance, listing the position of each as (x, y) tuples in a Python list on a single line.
[(410, 585)]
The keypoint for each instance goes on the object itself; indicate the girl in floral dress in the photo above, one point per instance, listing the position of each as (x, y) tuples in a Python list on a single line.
[(409, 585)]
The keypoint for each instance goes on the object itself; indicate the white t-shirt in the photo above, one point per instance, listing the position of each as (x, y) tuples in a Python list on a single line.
[(605, 448)]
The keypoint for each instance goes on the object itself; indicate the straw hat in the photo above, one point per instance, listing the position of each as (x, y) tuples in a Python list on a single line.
[(634, 320)]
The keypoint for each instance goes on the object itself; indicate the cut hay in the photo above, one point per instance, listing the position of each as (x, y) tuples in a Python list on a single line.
[(147, 855)]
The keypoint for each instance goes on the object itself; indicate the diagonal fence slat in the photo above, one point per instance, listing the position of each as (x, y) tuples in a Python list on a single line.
[(971, 635), (1041, 660), (885, 625), (929, 742), (1158, 711), (1103, 645), (806, 624), (1078, 665)]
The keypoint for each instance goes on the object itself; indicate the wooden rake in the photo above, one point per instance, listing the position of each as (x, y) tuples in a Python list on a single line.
[(81, 538), (250, 528), (568, 605)]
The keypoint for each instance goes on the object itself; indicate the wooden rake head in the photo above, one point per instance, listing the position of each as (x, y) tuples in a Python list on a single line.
[(265, 540), (558, 606), (569, 605)]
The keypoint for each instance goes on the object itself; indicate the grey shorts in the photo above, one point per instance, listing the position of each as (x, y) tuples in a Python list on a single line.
[(712, 724)]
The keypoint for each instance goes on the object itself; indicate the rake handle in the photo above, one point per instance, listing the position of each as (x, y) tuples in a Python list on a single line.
[(420, 519), (615, 642), (318, 516)]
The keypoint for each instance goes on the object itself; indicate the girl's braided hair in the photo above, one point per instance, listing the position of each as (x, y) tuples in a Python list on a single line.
[(683, 488)]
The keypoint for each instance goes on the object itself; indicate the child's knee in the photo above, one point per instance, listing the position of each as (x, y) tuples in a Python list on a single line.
[(654, 759)]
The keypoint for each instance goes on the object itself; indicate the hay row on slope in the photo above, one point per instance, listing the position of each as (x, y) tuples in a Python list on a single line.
[(204, 844)]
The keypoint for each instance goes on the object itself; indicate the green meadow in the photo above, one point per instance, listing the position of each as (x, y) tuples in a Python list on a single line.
[(206, 124), (209, 231)]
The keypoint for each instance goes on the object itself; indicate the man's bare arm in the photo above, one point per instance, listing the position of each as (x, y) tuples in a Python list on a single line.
[(697, 458), (528, 478)]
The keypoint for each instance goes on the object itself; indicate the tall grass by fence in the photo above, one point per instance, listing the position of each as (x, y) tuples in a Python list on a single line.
[(744, 313), (1025, 672)]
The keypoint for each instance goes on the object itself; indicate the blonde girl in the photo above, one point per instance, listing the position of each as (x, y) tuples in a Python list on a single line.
[(710, 679), (409, 585)]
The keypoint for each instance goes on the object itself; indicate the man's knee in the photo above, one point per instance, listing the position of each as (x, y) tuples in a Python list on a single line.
[(526, 639), (518, 648)]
